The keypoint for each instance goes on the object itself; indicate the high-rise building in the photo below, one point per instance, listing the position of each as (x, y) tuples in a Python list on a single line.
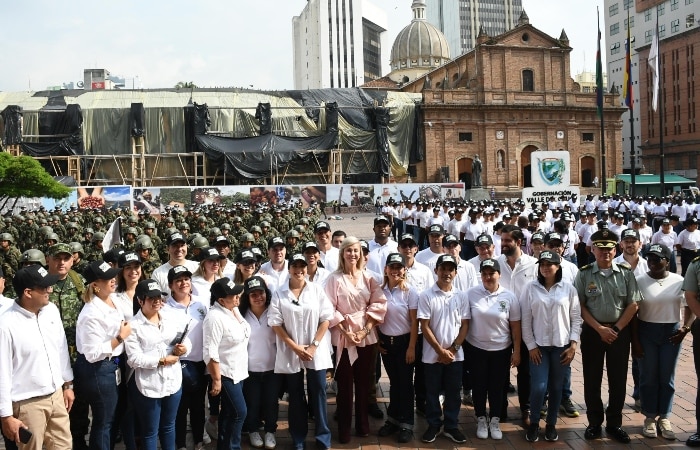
[(338, 44), (460, 20), (679, 34)]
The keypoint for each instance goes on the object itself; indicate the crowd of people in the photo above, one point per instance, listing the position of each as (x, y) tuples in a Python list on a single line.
[(204, 319)]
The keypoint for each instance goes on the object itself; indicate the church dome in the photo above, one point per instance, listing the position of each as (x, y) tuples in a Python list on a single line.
[(420, 44)]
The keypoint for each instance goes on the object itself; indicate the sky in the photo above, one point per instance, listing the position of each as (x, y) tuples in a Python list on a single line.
[(213, 43)]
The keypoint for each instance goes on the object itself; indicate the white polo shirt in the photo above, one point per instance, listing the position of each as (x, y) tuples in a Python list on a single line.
[(261, 346), (490, 315), (226, 342), (396, 320), (445, 310)]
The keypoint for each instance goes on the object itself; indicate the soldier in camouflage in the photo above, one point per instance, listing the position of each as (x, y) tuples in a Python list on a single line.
[(9, 257)]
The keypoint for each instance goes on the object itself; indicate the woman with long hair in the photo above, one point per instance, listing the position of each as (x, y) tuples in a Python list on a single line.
[(208, 272), (359, 305), (397, 337), (190, 311), (129, 275), (154, 349), (226, 335), (314, 271), (100, 333), (299, 314), (551, 328), (261, 388)]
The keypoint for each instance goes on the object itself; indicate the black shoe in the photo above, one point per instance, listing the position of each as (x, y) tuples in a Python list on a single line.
[(550, 433), (430, 434), (593, 432), (533, 433), (374, 411), (405, 436), (693, 440), (420, 410), (388, 429), (455, 435), (618, 434)]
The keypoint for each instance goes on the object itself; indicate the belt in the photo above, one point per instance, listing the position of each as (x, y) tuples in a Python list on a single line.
[(391, 340)]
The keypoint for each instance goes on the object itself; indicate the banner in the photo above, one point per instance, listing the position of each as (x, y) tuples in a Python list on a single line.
[(550, 169)]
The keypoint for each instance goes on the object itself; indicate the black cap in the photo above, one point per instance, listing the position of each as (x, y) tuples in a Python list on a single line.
[(221, 240), (537, 236), (297, 258), (553, 236), (604, 239), (321, 226), (177, 272), (629, 233), (99, 270), (446, 259), (690, 221), (256, 283), (175, 237), (382, 218), (223, 287), (209, 253), (395, 258), (661, 251), (148, 288), (449, 239), (32, 277), (112, 255), (484, 239), (552, 257), (436, 229), (128, 258), (408, 237), (490, 263), (277, 240), (309, 245), (245, 256)]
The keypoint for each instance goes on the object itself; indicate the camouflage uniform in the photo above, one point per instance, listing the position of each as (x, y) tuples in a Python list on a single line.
[(67, 295)]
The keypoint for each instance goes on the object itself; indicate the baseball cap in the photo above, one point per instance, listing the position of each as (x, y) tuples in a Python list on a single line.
[(379, 219), (395, 258), (364, 245), (256, 283), (297, 258), (446, 259), (221, 240), (553, 236), (177, 272), (209, 253), (321, 226), (309, 245), (277, 240), (128, 258), (484, 239), (407, 237), (245, 256), (99, 270), (629, 233), (552, 257), (537, 236), (31, 277), (59, 248), (490, 263), (223, 287), (148, 288), (449, 239), (661, 251), (175, 237), (436, 229)]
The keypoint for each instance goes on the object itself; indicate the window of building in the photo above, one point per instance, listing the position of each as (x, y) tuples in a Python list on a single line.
[(614, 28), (614, 9), (615, 48), (675, 25), (647, 15), (629, 4), (465, 137), (662, 31), (661, 9), (528, 80), (588, 137), (648, 36), (689, 20), (631, 22), (674, 4)]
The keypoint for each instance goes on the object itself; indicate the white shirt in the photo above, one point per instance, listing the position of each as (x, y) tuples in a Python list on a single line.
[(125, 304), (228, 270), (276, 278), (490, 314), (34, 359), (160, 274), (569, 271), (301, 324), (466, 276), (226, 342), (667, 239), (428, 258), (192, 314), (419, 276), (320, 276), (550, 318), (688, 240), (5, 303), (518, 277), (261, 346), (642, 266), (397, 321), (662, 302), (329, 259), (378, 253), (146, 345), (97, 325), (446, 311), (201, 287)]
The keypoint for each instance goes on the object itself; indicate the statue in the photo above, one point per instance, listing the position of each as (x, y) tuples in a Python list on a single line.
[(476, 172)]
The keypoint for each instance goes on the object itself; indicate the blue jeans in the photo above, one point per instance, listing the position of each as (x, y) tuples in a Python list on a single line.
[(261, 392), (298, 423), (97, 384), (232, 415), (548, 374), (657, 368), (443, 379), (194, 389), (156, 418), (400, 411)]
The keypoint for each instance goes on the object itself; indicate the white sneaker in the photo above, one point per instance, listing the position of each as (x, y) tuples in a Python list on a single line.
[(495, 428), (482, 429), (666, 429), (255, 439), (270, 441), (649, 429)]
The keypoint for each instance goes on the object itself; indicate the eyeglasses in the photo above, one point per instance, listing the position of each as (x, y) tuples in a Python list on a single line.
[(407, 245)]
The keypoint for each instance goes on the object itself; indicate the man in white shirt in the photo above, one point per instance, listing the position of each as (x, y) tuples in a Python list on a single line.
[(329, 254), (419, 276), (35, 371), (381, 246), (177, 251), (276, 268), (485, 249), (430, 255)]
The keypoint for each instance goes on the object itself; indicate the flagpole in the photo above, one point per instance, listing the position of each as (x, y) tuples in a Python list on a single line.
[(629, 99), (662, 164), (600, 100)]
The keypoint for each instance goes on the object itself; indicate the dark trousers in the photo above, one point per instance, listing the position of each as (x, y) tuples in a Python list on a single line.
[(686, 257), (194, 389), (261, 391), (489, 379), (96, 383), (523, 378), (695, 329), (397, 229), (594, 355), (347, 376), (400, 411), (443, 379), (419, 375), (298, 423)]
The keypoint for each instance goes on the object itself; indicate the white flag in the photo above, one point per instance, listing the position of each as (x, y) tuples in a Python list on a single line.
[(113, 236), (654, 64)]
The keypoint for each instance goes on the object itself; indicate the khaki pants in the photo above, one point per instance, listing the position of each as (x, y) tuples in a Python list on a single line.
[(47, 418)]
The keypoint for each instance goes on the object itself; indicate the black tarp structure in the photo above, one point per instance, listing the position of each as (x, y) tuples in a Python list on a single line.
[(381, 118), (256, 157), (197, 122), (12, 119), (416, 153), (355, 103), (332, 117), (263, 113)]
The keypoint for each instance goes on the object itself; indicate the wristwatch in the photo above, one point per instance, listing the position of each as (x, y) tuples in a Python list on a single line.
[(615, 329), (315, 343), (67, 386), (456, 346)]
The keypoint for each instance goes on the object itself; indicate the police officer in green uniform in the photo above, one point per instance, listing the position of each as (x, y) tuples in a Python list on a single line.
[(691, 286), (608, 294)]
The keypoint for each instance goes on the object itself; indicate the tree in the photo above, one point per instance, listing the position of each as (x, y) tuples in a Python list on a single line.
[(22, 176), (185, 85)]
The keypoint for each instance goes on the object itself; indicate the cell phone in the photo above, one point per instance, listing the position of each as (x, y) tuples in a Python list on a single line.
[(24, 435)]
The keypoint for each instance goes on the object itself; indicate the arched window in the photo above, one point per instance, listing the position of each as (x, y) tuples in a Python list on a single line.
[(528, 80)]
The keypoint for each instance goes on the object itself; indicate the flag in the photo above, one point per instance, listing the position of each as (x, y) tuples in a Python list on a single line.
[(113, 236), (627, 86), (654, 64), (599, 75)]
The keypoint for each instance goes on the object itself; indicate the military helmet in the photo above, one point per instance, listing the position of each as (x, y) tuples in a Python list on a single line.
[(7, 237), (33, 256), (265, 224), (200, 242), (97, 237), (51, 237), (292, 234), (148, 225), (247, 237), (225, 226), (72, 225), (143, 243), (98, 220), (184, 226), (255, 229), (131, 230), (77, 247), (45, 230), (88, 230), (214, 231)]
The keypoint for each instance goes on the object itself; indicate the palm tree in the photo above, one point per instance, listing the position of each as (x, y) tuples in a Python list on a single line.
[(185, 85)]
